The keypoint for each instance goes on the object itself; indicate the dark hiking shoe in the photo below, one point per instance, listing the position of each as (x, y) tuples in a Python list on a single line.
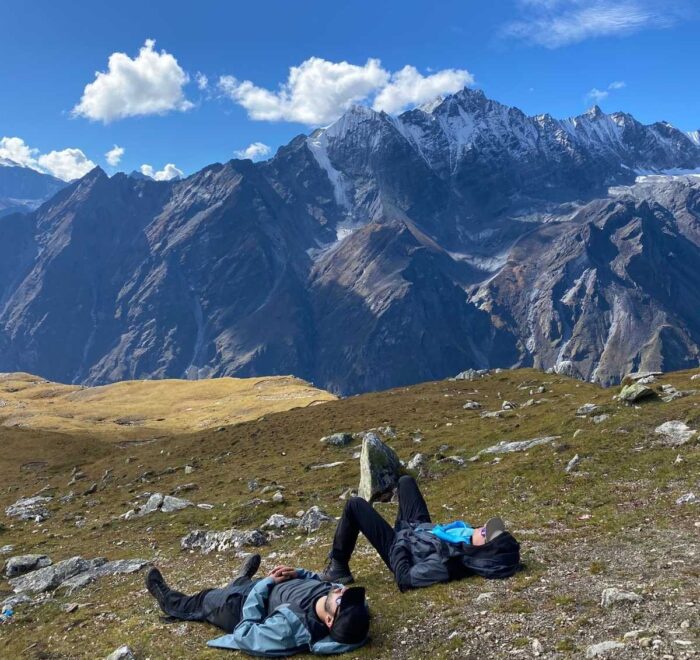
[(250, 566), (337, 571), (494, 527), (156, 586)]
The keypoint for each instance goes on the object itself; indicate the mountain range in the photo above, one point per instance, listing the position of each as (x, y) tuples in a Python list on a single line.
[(379, 251)]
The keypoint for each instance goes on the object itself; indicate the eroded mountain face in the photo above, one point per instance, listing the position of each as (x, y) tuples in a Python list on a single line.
[(379, 251)]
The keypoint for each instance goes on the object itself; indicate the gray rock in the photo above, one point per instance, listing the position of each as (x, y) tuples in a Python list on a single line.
[(323, 466), (613, 595), (48, 578), (641, 375), (22, 564), (599, 419), (184, 488), (416, 462), (471, 405), (602, 648), (457, 460), (675, 433), (492, 414), (636, 392), (278, 497), (338, 439), (253, 485), (504, 447), (587, 409), (189, 469), (29, 508), (509, 405), (312, 520), (671, 394), (380, 468), (6, 549), (471, 374), (122, 653), (688, 498), (279, 521), (230, 539), (572, 464), (695, 377), (158, 502)]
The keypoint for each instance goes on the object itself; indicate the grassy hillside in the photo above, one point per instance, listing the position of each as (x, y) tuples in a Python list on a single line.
[(613, 522), (137, 407)]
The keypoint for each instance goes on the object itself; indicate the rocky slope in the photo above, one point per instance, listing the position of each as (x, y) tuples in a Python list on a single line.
[(602, 495), (375, 252)]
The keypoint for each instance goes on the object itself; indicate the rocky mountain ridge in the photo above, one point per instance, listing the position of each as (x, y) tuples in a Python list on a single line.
[(376, 252)]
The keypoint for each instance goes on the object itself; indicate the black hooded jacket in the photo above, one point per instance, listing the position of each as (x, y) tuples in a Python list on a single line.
[(419, 558)]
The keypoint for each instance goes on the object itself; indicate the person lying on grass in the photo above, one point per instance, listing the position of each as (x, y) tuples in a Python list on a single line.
[(290, 611), (418, 552)]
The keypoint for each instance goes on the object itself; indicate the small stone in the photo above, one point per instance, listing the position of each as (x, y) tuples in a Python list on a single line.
[(253, 485), (312, 520), (537, 647), (230, 539), (572, 464), (278, 521), (70, 607), (323, 466), (92, 489), (471, 405), (577, 433), (599, 419), (504, 447), (487, 595), (600, 649), (509, 405), (587, 409), (613, 595), (189, 469), (416, 462), (688, 498), (6, 549), (278, 497), (337, 439), (122, 653)]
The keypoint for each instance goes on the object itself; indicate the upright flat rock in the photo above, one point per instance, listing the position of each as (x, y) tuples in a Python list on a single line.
[(380, 468)]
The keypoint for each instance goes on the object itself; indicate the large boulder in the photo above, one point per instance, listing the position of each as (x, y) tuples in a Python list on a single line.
[(50, 577), (229, 539), (22, 564), (380, 469), (29, 508), (636, 392)]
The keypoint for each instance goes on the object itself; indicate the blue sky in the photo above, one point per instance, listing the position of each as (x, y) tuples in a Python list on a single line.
[(555, 56)]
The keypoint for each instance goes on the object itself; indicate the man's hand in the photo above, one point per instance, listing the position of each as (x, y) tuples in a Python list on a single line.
[(283, 573)]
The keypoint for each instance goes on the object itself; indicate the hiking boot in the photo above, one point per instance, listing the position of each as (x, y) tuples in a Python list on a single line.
[(250, 566), (157, 587), (338, 572), (494, 527)]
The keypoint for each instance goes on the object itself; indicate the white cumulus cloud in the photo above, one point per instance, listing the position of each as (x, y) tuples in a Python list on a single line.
[(168, 173), (201, 80), (150, 84), (556, 23), (67, 164), (409, 87), (597, 95), (254, 151), (319, 91), (114, 155)]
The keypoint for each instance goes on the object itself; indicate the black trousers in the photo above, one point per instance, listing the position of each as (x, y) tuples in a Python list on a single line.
[(359, 516), (220, 607)]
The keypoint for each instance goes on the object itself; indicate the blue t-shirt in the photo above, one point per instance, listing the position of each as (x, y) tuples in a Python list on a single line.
[(454, 532)]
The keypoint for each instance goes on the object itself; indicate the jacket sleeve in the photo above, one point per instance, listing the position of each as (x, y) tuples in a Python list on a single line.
[(281, 634), (303, 574), (401, 565)]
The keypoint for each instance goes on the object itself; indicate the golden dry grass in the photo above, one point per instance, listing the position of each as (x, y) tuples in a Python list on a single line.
[(140, 407)]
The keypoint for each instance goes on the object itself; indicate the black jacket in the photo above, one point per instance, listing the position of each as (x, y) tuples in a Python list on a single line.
[(419, 558)]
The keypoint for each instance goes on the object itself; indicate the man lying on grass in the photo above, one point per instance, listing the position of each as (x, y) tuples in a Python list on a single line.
[(418, 552), (290, 611)]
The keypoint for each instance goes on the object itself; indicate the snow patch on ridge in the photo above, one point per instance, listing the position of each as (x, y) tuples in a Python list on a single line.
[(317, 144)]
